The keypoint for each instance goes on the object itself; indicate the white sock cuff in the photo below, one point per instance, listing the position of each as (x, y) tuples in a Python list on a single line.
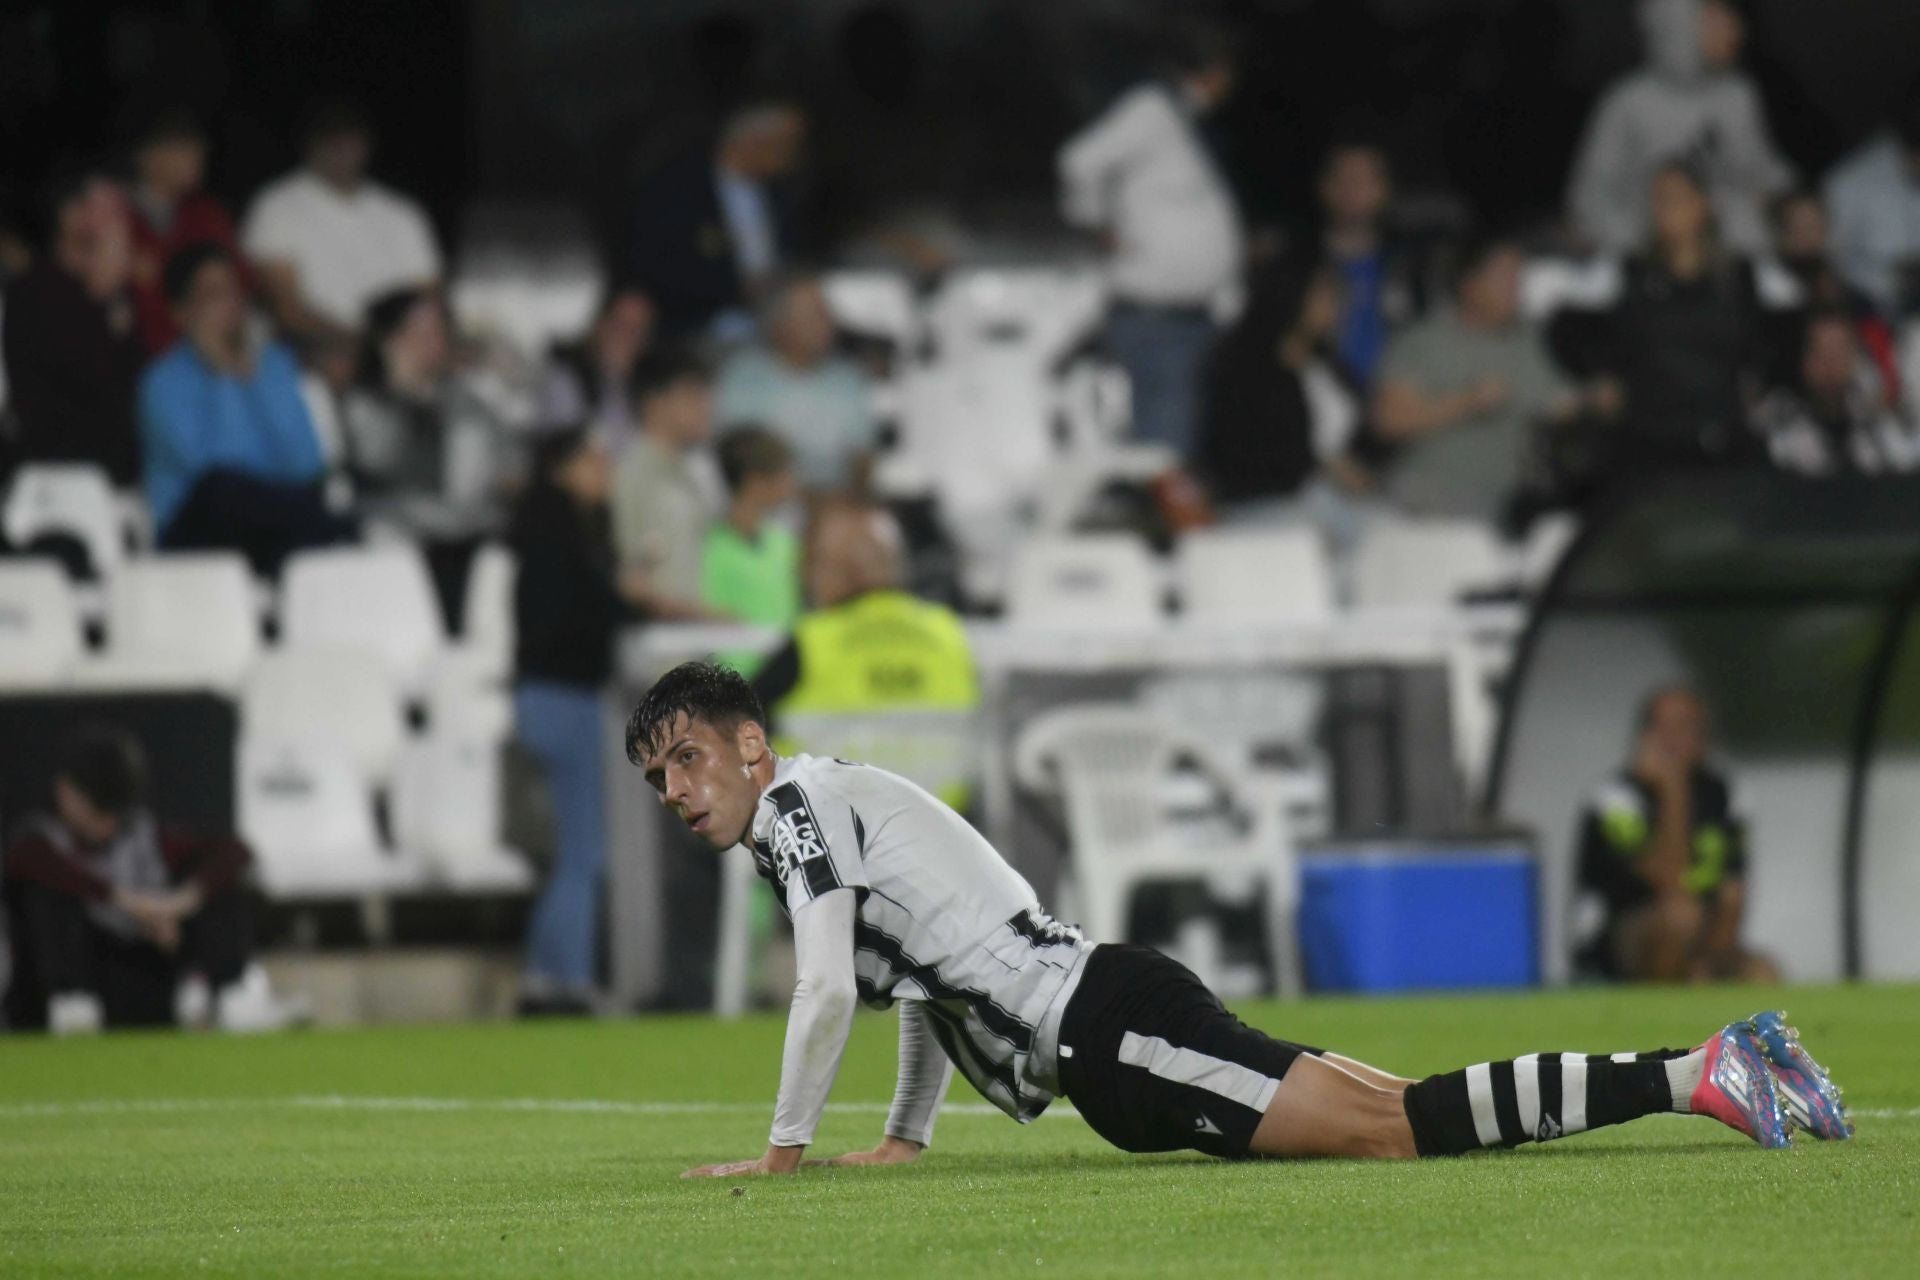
[(1683, 1077)]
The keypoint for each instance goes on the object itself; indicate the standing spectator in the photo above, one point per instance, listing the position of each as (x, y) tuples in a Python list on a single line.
[(567, 605), (1381, 288), (1462, 391), (1875, 197), (1282, 415), (1802, 245), (170, 211), (1686, 337), (1691, 105), (72, 348), (231, 455), (127, 923), (1832, 417), (660, 508), (711, 226), (594, 379), (1141, 177), (424, 451), (820, 403), (750, 565), (327, 239), (1664, 846)]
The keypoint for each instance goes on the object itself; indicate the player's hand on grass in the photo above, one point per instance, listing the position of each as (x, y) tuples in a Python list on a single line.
[(890, 1151), (777, 1160)]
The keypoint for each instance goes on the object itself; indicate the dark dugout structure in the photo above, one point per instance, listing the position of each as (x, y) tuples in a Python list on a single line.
[(1791, 605)]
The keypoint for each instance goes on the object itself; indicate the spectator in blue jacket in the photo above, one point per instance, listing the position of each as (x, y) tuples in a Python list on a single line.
[(232, 458)]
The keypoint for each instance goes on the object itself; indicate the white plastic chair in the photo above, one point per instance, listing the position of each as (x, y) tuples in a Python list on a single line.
[(879, 303), (307, 812), (181, 617), (1101, 577), (335, 696), (1110, 764), (1427, 563), (447, 809), (74, 498), (1276, 576), (40, 640), (487, 618), (376, 599)]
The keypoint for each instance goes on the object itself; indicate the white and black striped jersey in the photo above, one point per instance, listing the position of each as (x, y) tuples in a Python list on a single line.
[(941, 917)]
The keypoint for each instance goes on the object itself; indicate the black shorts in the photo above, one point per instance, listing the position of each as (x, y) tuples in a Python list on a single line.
[(1153, 1061)]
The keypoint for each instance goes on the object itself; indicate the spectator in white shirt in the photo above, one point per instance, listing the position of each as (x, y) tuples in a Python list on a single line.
[(1141, 177), (1874, 195), (328, 240)]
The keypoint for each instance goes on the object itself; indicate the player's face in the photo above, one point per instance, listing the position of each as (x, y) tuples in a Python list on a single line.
[(705, 775)]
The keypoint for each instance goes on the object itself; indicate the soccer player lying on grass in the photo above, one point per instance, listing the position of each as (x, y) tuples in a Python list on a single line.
[(894, 898)]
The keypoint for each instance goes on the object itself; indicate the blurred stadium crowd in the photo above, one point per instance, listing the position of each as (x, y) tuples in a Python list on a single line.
[(402, 516)]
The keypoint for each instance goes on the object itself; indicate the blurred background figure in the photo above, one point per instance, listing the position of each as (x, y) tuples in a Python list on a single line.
[(328, 239), (72, 347), (126, 923), (171, 209), (710, 227), (1875, 198), (569, 601), (595, 378), (750, 564), (232, 460), (1664, 846), (1803, 244), (1142, 179), (1690, 105), (1380, 284), (662, 504), (790, 380), (1831, 418)]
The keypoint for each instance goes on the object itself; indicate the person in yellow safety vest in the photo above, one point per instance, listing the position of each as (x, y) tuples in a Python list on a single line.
[(868, 645)]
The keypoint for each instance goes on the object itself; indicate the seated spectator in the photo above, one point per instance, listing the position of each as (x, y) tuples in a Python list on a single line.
[(1462, 391), (593, 380), (72, 348), (1832, 419), (1381, 288), (1690, 104), (425, 453), (750, 565), (1875, 197), (170, 211), (1801, 244), (712, 226), (1664, 845), (231, 455), (818, 402), (1281, 413), (660, 508), (1687, 338), (127, 923), (327, 240), (568, 603)]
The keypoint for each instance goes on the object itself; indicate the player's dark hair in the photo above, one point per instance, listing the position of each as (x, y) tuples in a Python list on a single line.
[(186, 262), (750, 450), (106, 765), (701, 691)]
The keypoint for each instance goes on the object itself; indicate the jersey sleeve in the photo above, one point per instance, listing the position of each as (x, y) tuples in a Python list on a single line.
[(817, 843)]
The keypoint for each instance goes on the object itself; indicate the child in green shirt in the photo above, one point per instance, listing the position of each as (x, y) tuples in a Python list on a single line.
[(750, 564)]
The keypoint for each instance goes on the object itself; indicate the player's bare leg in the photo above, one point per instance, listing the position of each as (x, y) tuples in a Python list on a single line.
[(1322, 1109)]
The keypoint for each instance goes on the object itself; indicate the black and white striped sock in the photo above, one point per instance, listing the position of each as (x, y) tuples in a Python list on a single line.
[(1545, 1095)]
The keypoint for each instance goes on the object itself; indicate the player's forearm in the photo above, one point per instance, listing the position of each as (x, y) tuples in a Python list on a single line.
[(820, 1019)]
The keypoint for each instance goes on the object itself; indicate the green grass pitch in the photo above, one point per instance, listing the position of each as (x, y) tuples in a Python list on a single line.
[(554, 1149)]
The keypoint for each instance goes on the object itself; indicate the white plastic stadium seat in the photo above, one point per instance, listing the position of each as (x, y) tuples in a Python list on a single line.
[(1111, 764), (447, 809), (1427, 563), (74, 498), (376, 599), (307, 812), (487, 631), (876, 303), (339, 697), (181, 617), (1276, 576), (1101, 577), (40, 637)]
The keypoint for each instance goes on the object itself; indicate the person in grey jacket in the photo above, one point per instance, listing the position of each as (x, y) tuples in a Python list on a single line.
[(1690, 104)]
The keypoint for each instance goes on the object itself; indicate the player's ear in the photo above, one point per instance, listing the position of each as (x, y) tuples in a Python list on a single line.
[(751, 738)]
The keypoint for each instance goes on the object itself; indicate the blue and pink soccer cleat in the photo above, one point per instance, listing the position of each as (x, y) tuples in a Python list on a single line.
[(1737, 1088), (1807, 1093)]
